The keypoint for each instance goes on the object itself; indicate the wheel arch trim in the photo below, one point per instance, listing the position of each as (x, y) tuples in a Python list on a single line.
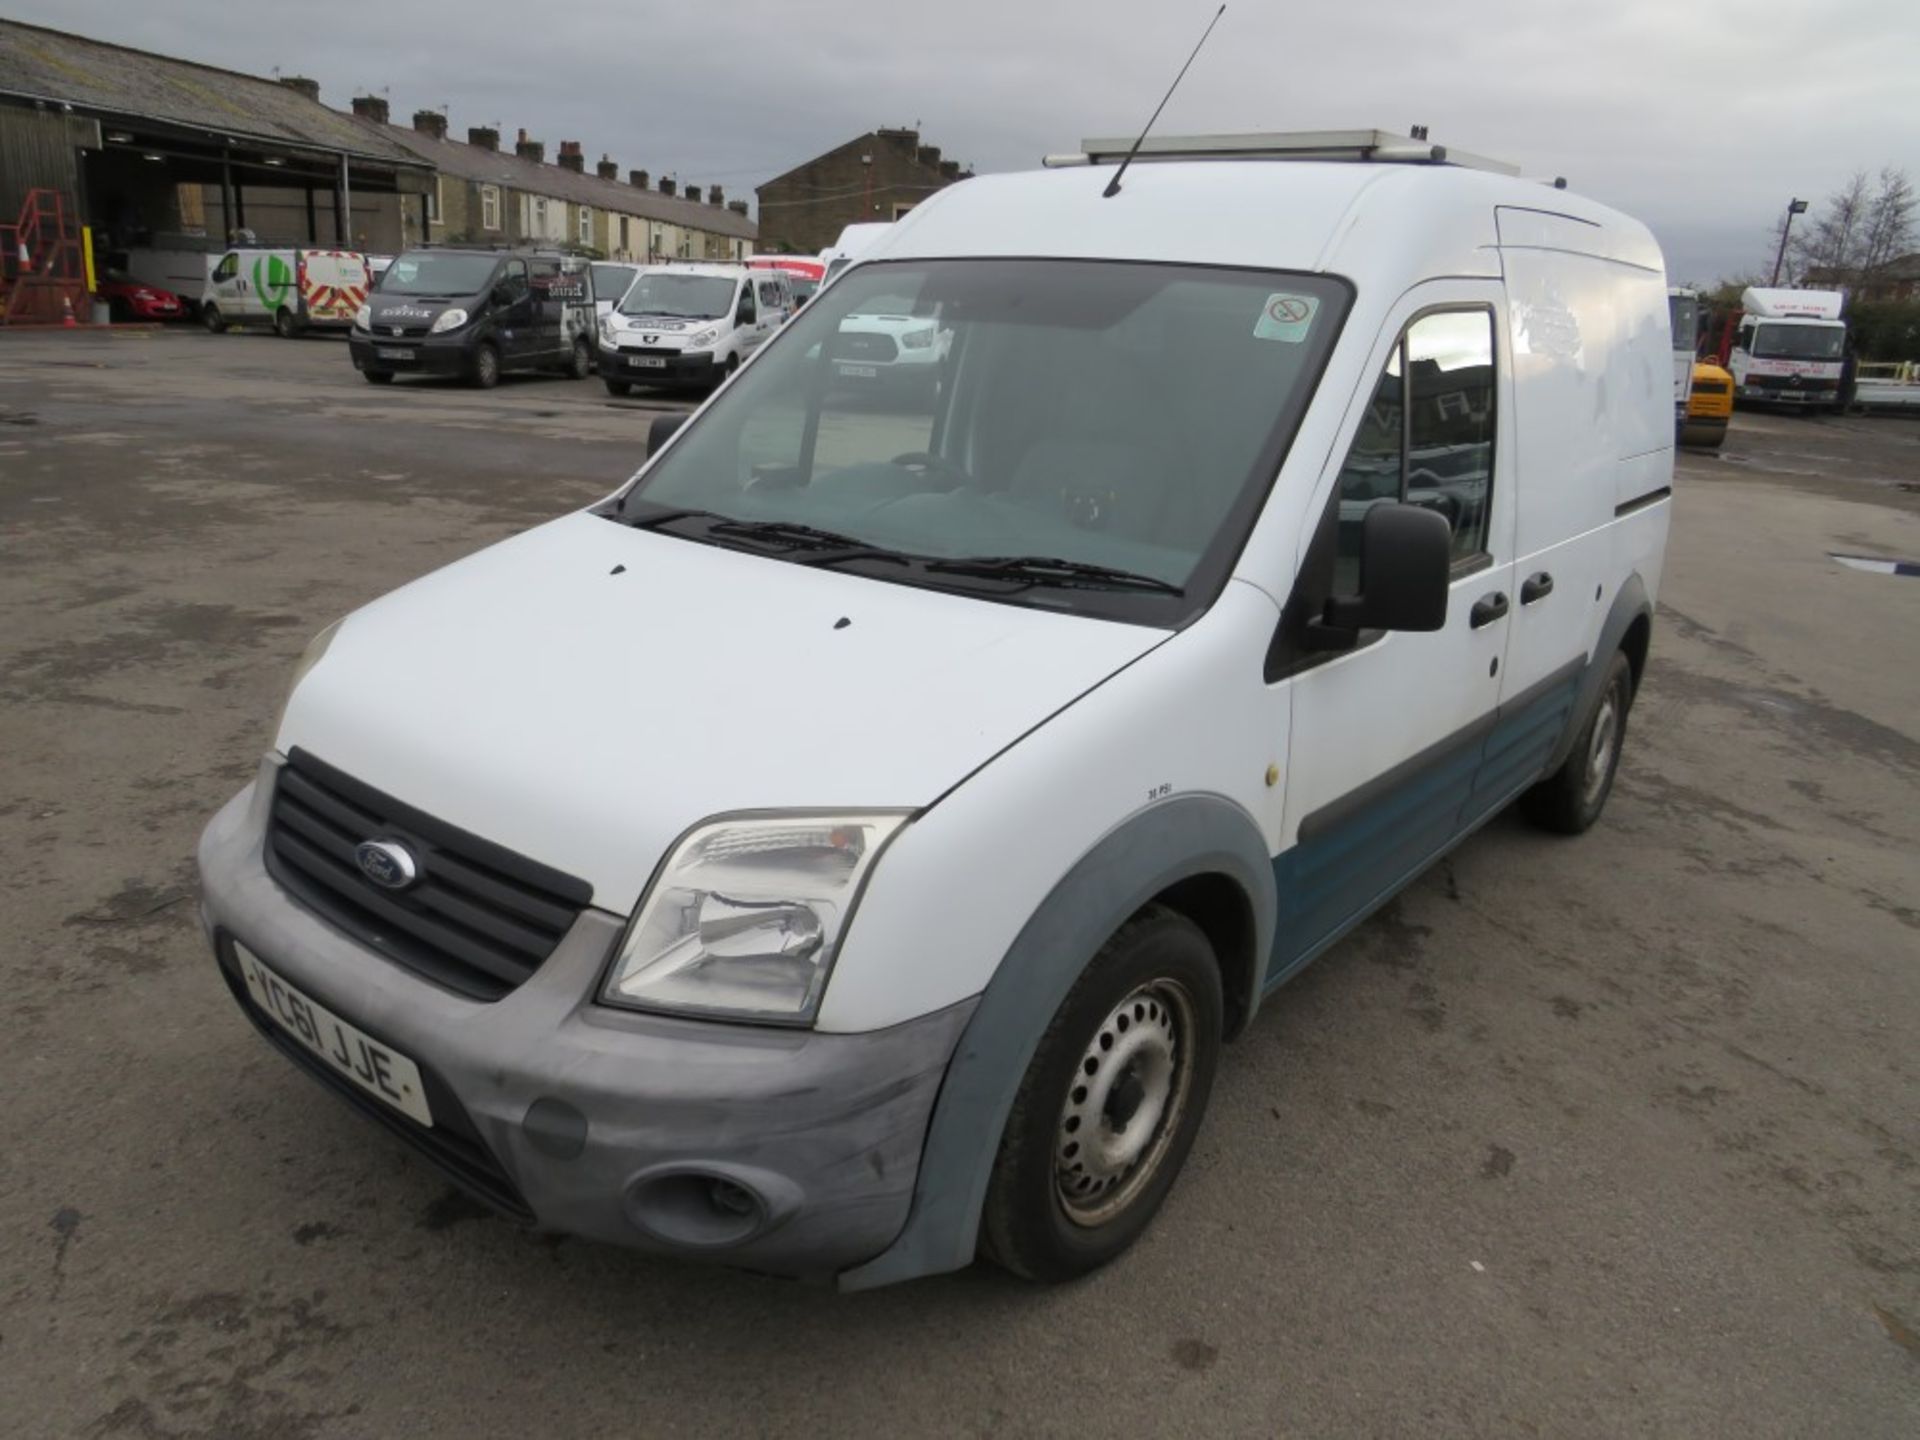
[(1171, 841)]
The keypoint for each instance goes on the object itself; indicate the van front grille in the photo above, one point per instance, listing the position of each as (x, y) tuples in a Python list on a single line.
[(479, 919)]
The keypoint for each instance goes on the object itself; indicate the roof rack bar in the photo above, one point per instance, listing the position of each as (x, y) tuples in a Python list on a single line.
[(1374, 146)]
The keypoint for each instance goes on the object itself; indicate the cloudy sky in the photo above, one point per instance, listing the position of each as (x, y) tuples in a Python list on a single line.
[(1703, 120)]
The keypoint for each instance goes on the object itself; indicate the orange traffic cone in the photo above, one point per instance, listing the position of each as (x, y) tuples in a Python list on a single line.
[(67, 322)]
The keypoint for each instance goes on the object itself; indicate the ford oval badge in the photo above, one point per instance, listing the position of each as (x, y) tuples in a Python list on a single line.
[(387, 863)]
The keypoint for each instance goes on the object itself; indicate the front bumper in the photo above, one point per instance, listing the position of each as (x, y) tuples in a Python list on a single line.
[(425, 354), (1822, 392), (605, 1123)]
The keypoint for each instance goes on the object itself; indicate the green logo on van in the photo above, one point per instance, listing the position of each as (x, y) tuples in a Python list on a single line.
[(273, 281)]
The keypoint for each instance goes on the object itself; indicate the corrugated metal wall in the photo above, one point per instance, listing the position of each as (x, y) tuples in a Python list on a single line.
[(40, 148)]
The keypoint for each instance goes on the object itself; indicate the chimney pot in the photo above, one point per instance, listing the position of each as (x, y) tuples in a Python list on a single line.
[(371, 107), (608, 168), (534, 150), (738, 207), (483, 137), (571, 158), (639, 179), (300, 83), (714, 197), (430, 122), (693, 193), (668, 185)]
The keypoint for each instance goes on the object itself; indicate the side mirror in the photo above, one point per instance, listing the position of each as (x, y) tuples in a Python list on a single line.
[(1406, 564), (662, 430)]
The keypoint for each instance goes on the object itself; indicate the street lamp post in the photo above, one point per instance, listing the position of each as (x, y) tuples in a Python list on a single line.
[(1794, 207)]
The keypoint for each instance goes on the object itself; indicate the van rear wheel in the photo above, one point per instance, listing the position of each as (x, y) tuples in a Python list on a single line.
[(211, 317), (285, 323), (1571, 799), (580, 363), (1110, 1104)]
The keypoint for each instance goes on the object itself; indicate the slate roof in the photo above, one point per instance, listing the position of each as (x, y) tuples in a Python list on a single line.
[(92, 75), (503, 167)]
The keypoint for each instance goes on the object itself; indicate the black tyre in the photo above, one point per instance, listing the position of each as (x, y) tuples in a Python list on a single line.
[(618, 387), (286, 324), (211, 317), (377, 377), (1110, 1104), (485, 371), (580, 364), (726, 371), (1571, 799)]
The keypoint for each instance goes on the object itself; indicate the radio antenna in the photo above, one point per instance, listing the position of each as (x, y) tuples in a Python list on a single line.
[(1113, 185)]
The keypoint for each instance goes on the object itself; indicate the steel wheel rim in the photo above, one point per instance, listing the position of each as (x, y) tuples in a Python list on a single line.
[(1124, 1103), (489, 365), (1600, 749)]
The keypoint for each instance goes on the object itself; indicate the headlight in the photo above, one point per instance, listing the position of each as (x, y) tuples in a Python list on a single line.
[(746, 916), (705, 337), (310, 657), (917, 340), (363, 318), (448, 320), (609, 328)]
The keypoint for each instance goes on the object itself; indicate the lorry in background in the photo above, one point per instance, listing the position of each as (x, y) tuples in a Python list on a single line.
[(1683, 317), (1789, 347)]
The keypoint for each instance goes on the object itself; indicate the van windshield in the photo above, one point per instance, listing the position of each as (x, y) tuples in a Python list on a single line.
[(680, 297), (1799, 342), (951, 423), (610, 282), (425, 272)]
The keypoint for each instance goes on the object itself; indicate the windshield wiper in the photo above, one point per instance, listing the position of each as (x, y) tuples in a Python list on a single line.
[(832, 546), (1051, 570)]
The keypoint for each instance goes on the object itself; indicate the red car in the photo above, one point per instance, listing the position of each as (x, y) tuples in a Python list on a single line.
[(130, 299)]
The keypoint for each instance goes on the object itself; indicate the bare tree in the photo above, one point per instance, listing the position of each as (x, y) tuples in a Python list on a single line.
[(1888, 232), (1835, 239)]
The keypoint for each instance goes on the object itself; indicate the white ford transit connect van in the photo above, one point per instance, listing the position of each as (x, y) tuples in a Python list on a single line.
[(849, 847)]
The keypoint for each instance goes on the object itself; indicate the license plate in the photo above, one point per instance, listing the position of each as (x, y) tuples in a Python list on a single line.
[(386, 352), (860, 372), (646, 362), (382, 1073)]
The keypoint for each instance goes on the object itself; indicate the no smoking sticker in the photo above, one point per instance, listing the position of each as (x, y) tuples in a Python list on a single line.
[(1286, 317)]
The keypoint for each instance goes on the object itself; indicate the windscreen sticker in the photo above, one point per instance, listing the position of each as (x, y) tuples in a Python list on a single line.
[(1286, 317)]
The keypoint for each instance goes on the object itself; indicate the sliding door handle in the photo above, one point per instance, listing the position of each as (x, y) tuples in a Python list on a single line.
[(1536, 587), (1487, 609)]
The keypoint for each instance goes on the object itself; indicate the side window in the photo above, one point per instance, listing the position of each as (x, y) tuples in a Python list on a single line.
[(228, 267), (1450, 422), (514, 277), (542, 274), (1426, 437), (769, 293), (1372, 469), (746, 314)]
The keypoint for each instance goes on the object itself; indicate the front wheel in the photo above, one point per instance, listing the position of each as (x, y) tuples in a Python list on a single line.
[(486, 367), (1110, 1104), (378, 377), (211, 317), (618, 387), (1571, 799)]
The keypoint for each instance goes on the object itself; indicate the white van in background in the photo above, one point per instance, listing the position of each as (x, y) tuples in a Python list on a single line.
[(854, 241), (689, 324), (849, 848), (291, 290)]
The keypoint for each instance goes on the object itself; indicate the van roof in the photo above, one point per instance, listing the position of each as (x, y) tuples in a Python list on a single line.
[(1391, 223), (683, 267)]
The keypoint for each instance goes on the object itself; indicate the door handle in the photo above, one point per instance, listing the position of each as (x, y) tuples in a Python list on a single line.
[(1487, 609), (1536, 587)]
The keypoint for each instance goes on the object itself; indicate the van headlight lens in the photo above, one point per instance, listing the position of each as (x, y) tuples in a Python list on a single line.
[(917, 340), (703, 339), (363, 318), (448, 320), (744, 920)]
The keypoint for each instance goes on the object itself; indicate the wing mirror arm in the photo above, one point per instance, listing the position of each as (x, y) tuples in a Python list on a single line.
[(1406, 562)]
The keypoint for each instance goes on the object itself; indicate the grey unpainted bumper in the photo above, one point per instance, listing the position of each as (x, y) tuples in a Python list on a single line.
[(826, 1129)]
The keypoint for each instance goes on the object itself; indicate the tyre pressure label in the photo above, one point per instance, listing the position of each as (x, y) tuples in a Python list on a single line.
[(1286, 317)]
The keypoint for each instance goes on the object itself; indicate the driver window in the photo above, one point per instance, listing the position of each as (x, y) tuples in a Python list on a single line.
[(1372, 470), (228, 267), (514, 278), (745, 314)]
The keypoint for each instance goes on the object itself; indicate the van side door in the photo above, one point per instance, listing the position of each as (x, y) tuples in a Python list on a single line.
[(544, 337), (513, 323), (1592, 445), (1386, 737), (746, 319), (224, 286)]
